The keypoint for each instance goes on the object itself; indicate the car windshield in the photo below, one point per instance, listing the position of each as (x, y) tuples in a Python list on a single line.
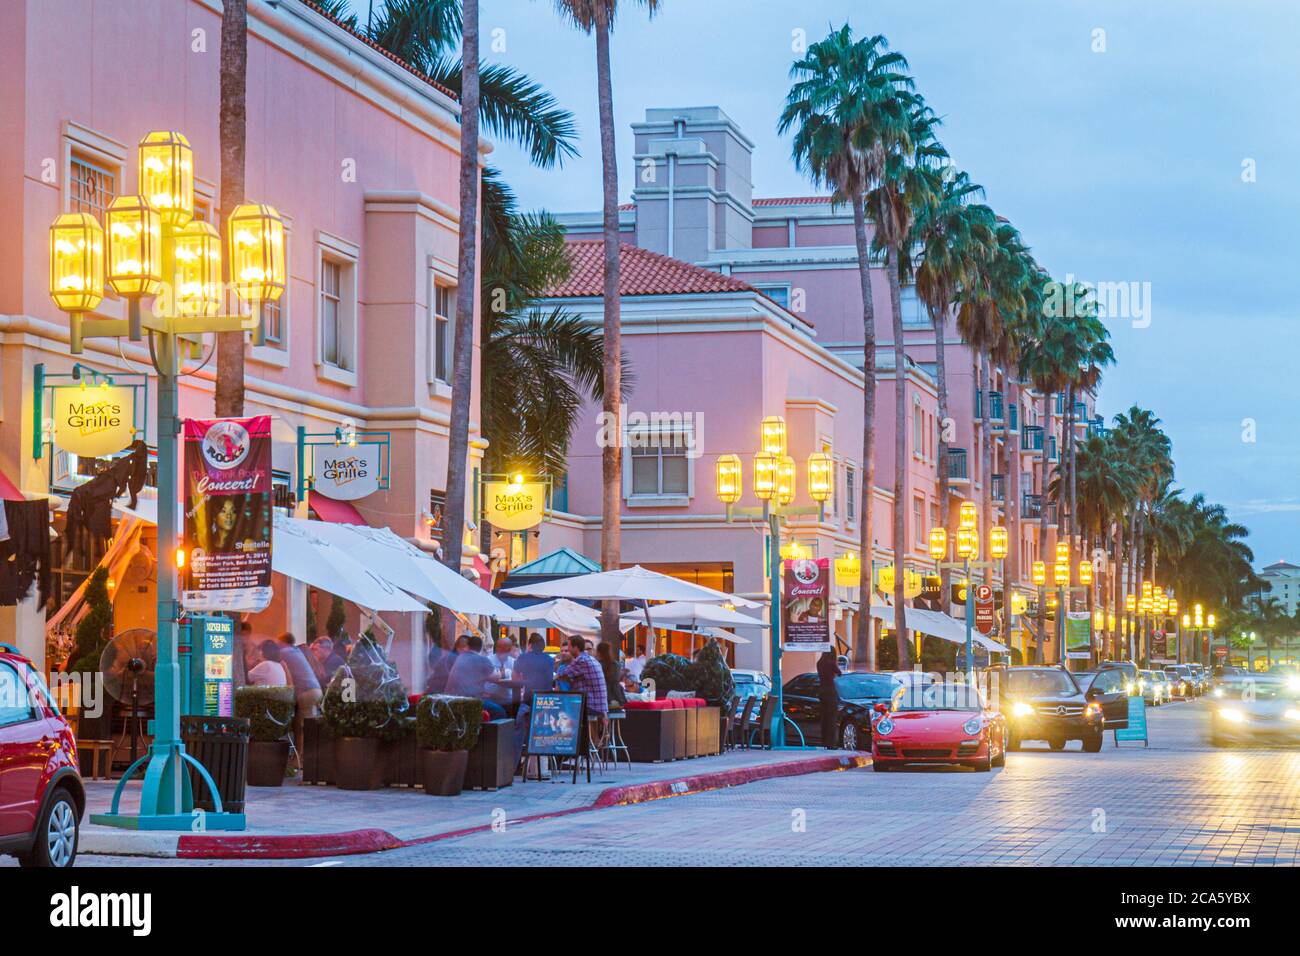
[(1040, 683), (1249, 688), (861, 686), (961, 697)]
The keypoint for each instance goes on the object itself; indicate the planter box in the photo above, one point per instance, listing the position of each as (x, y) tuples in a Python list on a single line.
[(401, 762), (655, 735), (492, 761), (317, 751)]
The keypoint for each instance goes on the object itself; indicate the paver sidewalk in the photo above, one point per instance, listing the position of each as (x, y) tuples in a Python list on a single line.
[(299, 820)]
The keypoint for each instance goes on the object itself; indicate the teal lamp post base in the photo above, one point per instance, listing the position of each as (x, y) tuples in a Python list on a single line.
[(166, 799)]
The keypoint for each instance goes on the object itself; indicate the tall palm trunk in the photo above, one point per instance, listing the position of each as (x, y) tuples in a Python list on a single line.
[(611, 458), (233, 129), (902, 497), (467, 283), (1042, 524), (1117, 586), (1075, 527), (986, 460), (865, 646), (1015, 533), (1135, 586), (941, 378)]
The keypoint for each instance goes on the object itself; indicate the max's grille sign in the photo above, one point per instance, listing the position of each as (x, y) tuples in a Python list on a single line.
[(345, 473), (94, 422), (513, 507)]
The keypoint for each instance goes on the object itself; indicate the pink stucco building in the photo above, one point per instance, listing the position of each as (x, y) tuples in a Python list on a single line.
[(359, 155), (780, 332)]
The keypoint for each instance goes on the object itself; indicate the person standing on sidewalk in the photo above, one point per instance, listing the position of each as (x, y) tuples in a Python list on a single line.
[(306, 686), (828, 669)]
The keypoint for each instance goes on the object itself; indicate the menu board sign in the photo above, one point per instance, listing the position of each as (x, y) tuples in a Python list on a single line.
[(555, 725)]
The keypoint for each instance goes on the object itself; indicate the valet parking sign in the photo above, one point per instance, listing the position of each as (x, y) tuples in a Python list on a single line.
[(228, 513)]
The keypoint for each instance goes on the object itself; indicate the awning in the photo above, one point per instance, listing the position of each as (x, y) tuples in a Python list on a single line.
[(299, 552), (8, 490), (937, 624), (331, 509)]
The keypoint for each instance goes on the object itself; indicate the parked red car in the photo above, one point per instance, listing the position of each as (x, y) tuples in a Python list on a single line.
[(42, 799), (938, 723)]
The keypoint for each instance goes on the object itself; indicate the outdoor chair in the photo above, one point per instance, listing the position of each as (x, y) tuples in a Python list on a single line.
[(763, 728), (729, 719), (740, 733)]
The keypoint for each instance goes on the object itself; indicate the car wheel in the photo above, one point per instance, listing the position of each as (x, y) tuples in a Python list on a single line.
[(1092, 743), (57, 833), (1001, 759), (1057, 743), (849, 736)]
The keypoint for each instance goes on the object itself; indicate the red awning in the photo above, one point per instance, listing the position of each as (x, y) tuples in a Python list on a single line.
[(339, 512), (9, 491)]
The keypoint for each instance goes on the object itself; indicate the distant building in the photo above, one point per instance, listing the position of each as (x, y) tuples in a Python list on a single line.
[(1284, 584)]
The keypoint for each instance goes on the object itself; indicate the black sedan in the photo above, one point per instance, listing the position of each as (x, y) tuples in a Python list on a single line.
[(859, 692)]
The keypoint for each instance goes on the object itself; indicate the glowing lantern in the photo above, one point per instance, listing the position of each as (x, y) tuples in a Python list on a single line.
[(938, 543), (794, 551), (821, 476), (1197, 615), (1085, 572), (1039, 573), (1061, 574), (1130, 602), (998, 542), (197, 251), (967, 515), (772, 435), (134, 246), (1098, 619), (256, 252), (785, 481), (730, 481), (1063, 552), (1209, 621), (968, 543), (167, 175), (765, 468), (76, 262)]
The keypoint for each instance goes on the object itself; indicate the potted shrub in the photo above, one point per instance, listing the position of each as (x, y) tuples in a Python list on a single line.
[(270, 715), (92, 635), (669, 672), (709, 676), (363, 706), (446, 728)]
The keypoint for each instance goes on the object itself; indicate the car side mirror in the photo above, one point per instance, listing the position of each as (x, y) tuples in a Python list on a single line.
[(881, 708)]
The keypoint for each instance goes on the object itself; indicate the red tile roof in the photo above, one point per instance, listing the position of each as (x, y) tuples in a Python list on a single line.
[(793, 201), (641, 272), (376, 47)]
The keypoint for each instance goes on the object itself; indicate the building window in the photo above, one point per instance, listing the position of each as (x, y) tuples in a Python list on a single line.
[(918, 521), (659, 463), (331, 313), (915, 314), (336, 310), (850, 495), (780, 294), (91, 187), (444, 312)]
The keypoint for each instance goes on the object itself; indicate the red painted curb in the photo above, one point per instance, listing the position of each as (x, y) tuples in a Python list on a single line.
[(299, 846), (659, 789), (284, 846)]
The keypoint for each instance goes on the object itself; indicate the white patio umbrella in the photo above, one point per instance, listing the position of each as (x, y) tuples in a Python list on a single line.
[(406, 566), (300, 553), (561, 614), (691, 614)]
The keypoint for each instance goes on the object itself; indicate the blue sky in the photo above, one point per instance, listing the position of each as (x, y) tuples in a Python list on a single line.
[(1117, 166)]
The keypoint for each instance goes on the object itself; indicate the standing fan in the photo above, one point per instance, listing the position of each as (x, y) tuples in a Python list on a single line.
[(127, 666)]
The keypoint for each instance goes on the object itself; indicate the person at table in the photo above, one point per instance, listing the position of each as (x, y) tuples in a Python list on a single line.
[(613, 673), (442, 665), (472, 674), (534, 669), (269, 672), (503, 664), (828, 697), (583, 674)]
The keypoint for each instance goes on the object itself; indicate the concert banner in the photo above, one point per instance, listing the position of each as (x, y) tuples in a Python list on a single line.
[(227, 514), (807, 606)]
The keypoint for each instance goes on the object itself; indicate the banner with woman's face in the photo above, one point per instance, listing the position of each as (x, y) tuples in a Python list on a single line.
[(227, 514)]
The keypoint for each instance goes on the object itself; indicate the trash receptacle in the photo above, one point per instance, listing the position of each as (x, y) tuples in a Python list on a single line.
[(221, 745)]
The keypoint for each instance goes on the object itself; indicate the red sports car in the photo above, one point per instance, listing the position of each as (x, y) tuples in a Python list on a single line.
[(940, 723)]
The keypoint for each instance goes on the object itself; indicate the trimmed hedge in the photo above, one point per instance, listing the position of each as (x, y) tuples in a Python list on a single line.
[(669, 672), (447, 723), (269, 711), (366, 698)]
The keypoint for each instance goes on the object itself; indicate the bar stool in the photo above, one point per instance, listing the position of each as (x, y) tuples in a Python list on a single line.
[(614, 739)]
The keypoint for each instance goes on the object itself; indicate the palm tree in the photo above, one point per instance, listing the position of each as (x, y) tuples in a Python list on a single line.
[(951, 235), (1140, 440), (597, 16), (233, 126), (844, 108), (905, 186)]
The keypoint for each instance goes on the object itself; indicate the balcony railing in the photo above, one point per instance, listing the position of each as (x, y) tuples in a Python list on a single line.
[(995, 407), (1031, 508), (999, 487), (1013, 419), (1031, 438), (1080, 411), (958, 469), (1060, 403), (1097, 428)]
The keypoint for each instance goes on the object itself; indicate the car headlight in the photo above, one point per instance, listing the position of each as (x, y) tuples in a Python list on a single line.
[(884, 726), (1021, 709), (1293, 683), (973, 726), (1292, 714), (1218, 692), (1092, 709), (1232, 714), (1128, 687)]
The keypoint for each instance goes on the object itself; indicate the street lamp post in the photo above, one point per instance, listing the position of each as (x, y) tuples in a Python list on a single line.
[(155, 248), (1064, 591), (968, 550), (1197, 622), (774, 485)]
